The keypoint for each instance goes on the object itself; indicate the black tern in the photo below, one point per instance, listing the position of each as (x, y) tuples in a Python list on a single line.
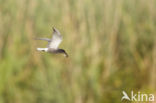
[(53, 43)]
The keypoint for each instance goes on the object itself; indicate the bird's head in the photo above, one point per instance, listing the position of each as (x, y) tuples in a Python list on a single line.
[(63, 52)]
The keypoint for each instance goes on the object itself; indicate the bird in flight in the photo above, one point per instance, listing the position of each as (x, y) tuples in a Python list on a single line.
[(53, 44)]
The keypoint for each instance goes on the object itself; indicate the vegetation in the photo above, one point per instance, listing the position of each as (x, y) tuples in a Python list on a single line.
[(111, 46)]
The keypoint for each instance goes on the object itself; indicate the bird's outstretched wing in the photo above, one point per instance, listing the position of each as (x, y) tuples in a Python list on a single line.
[(56, 39), (46, 39)]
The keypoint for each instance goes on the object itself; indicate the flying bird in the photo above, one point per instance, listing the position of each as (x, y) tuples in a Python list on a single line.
[(53, 44)]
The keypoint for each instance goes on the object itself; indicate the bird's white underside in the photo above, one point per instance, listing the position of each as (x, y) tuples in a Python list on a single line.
[(42, 49)]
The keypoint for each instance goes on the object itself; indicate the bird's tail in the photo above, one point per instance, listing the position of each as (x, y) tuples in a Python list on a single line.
[(42, 49)]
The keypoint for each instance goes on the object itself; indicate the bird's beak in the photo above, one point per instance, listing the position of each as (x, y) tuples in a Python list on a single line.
[(66, 55)]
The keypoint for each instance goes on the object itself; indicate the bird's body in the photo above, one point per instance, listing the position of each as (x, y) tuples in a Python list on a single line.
[(53, 43)]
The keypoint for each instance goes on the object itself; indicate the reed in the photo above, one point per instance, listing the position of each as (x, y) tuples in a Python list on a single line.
[(111, 46)]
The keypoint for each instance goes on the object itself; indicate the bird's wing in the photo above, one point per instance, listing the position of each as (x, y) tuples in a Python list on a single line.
[(46, 39), (56, 39)]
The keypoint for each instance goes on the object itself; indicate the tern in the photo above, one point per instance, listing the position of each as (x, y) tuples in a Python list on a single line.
[(53, 43)]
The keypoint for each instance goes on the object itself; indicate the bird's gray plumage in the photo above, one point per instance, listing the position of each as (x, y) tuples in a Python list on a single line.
[(55, 40), (53, 43), (46, 39)]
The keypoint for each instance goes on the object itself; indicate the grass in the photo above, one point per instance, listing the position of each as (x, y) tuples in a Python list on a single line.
[(111, 46)]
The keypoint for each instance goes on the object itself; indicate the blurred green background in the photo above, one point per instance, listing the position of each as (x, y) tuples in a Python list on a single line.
[(111, 46)]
